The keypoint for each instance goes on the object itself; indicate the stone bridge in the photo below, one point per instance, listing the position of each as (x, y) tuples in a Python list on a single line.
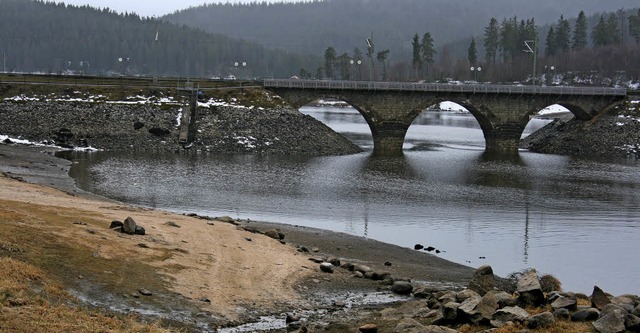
[(502, 111)]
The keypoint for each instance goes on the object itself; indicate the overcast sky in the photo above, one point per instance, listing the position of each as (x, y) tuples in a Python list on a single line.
[(151, 7)]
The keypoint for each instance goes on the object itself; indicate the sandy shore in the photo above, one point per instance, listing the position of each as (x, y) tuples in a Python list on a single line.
[(209, 271)]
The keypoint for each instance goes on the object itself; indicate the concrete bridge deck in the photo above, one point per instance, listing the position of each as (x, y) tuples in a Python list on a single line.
[(502, 111)]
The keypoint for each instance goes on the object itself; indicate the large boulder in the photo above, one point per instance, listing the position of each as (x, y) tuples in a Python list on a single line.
[(529, 289), (588, 314), (402, 287), (599, 299), (483, 280), (438, 329), (542, 320), (632, 323), (611, 322), (408, 325), (564, 302), (450, 311), (513, 314), (129, 226)]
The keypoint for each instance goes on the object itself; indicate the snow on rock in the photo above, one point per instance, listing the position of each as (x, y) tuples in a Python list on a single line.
[(8, 139)]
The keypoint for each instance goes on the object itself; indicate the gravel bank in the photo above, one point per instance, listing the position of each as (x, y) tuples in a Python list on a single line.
[(613, 135), (221, 129)]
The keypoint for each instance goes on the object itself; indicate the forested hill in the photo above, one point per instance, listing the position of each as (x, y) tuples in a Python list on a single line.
[(310, 27), (49, 37)]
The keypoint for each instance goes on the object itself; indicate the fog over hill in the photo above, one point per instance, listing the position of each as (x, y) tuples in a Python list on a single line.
[(310, 27)]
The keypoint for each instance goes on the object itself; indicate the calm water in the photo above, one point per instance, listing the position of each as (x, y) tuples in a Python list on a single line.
[(577, 219)]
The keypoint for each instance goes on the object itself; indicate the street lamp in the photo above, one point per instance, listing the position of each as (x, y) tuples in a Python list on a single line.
[(476, 71), (546, 73), (356, 64), (240, 64)]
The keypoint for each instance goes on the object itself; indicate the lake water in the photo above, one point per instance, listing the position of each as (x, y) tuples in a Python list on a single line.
[(577, 219)]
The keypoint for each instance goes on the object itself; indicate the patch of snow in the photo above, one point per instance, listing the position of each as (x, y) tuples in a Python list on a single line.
[(635, 102), (555, 108), (40, 144), (248, 142), (179, 117), (451, 106)]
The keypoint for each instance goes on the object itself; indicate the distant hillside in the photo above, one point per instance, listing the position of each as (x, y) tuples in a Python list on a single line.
[(50, 37), (310, 27)]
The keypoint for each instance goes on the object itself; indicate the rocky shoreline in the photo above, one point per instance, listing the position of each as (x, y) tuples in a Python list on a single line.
[(153, 127), (615, 134)]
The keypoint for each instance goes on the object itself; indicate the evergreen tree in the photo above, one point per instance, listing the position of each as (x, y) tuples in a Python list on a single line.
[(634, 26), (613, 30), (382, 57), (510, 42), (491, 41), (563, 35), (330, 58), (428, 52), (344, 65), (579, 41), (472, 53), (417, 49), (599, 33), (551, 49)]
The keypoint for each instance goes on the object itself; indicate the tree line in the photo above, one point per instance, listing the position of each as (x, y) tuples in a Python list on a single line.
[(39, 36), (608, 44)]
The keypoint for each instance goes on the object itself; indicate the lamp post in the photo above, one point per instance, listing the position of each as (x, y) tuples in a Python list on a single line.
[(476, 71), (548, 69), (356, 65), (123, 66), (240, 65), (532, 47)]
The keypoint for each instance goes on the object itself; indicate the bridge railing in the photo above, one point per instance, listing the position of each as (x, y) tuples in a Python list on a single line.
[(442, 87)]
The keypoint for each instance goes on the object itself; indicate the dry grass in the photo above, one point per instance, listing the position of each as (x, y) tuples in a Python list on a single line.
[(30, 302)]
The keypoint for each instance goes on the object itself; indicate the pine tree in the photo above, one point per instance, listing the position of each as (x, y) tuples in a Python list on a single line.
[(563, 35), (634, 26), (613, 30), (551, 43), (417, 49), (472, 53), (330, 58), (599, 33), (491, 41), (579, 41), (428, 52)]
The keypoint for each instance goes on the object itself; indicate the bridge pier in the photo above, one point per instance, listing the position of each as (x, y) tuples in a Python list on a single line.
[(388, 138), (503, 138)]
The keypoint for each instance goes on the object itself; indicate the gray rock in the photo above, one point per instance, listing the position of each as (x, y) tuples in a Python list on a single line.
[(624, 300), (408, 325), (447, 297), (611, 322), (272, 233), (116, 225), (402, 287), (139, 231), (334, 261), (326, 267), (145, 292), (513, 314), (468, 307), (368, 328), (450, 311), (588, 314), (483, 280), (129, 226), (530, 291), (379, 276), (542, 320), (563, 302), (599, 299), (424, 291), (562, 313), (487, 306), (636, 311), (361, 268), (463, 295), (611, 307), (632, 323), (505, 299)]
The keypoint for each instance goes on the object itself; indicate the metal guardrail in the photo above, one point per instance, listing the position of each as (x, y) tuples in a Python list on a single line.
[(442, 87)]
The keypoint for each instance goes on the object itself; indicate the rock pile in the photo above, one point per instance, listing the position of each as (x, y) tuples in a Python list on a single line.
[(129, 226), (483, 305)]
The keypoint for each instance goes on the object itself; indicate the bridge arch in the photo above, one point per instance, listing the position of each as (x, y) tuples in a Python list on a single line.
[(503, 112)]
